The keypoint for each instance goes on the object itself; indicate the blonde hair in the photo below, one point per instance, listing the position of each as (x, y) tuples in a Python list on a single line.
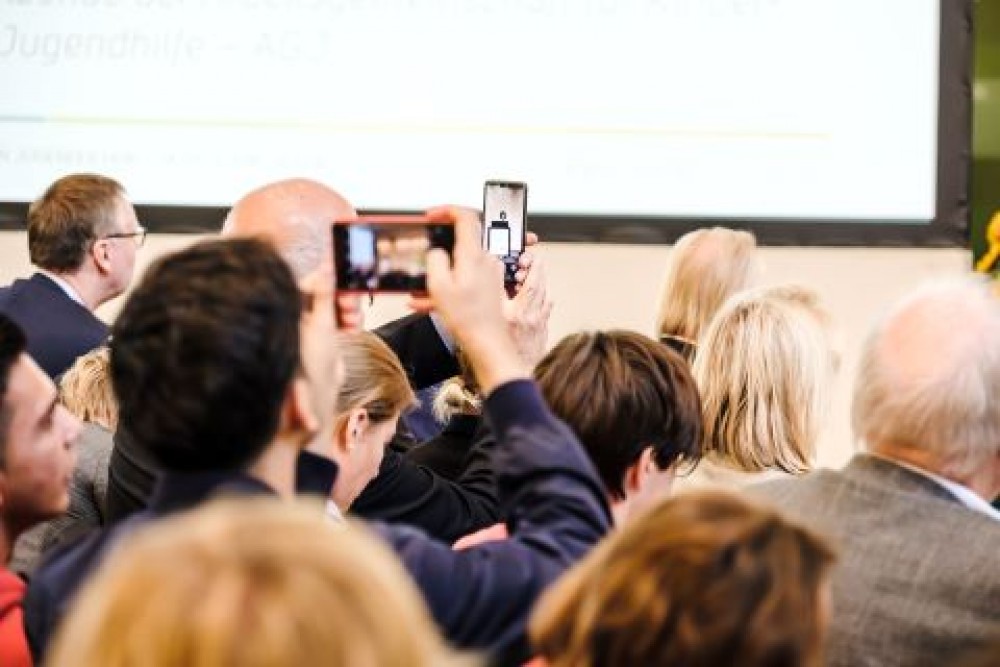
[(706, 267), (260, 583), (764, 370), (705, 578), (373, 378), (85, 390), (458, 395)]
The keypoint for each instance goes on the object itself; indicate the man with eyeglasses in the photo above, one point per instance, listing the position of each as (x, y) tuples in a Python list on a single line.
[(83, 236)]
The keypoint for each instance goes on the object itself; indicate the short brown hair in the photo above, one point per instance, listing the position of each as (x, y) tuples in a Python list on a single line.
[(703, 579), (72, 214), (622, 392)]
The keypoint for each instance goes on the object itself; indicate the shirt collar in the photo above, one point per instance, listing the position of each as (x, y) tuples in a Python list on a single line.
[(963, 494), (64, 286)]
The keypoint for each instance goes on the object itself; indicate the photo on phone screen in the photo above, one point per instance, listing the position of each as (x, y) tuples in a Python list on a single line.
[(505, 206), (386, 256)]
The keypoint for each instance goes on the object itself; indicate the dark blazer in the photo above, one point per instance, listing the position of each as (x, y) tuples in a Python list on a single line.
[(448, 452), (58, 328), (54, 584), (402, 491), (917, 582), (557, 511)]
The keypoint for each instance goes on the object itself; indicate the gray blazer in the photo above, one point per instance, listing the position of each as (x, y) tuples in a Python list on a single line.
[(918, 582)]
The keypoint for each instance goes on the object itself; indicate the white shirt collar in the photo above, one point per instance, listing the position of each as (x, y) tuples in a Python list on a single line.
[(64, 286), (333, 513), (963, 494)]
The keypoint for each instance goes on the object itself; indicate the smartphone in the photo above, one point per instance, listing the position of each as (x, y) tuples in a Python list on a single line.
[(505, 212), (386, 253)]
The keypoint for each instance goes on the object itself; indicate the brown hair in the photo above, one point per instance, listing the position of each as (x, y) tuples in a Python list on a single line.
[(86, 391), (705, 579), (373, 377), (72, 214), (263, 583), (706, 267), (622, 392)]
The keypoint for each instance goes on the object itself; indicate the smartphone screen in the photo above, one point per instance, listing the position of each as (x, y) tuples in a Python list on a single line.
[(505, 205), (385, 255)]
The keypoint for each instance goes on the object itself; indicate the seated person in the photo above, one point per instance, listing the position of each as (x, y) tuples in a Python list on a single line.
[(707, 266), (85, 390), (634, 406), (704, 578), (765, 370), (215, 377), (918, 583), (36, 459), (372, 396), (262, 584)]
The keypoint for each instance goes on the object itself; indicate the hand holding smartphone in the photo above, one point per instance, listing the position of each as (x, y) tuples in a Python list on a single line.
[(505, 212)]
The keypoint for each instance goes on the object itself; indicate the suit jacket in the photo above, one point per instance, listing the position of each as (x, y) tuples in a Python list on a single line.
[(57, 580), (448, 452), (556, 512), (58, 328), (917, 582), (402, 491)]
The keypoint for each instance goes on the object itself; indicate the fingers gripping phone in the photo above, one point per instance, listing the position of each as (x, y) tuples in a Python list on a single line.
[(387, 254), (505, 211)]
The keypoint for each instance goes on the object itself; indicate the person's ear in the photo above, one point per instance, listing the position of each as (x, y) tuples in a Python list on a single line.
[(100, 251), (637, 474), (356, 426)]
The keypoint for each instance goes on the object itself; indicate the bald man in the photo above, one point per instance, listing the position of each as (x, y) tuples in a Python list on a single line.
[(917, 581), (295, 215)]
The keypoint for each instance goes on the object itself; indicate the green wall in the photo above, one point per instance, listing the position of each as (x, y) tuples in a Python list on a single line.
[(985, 121)]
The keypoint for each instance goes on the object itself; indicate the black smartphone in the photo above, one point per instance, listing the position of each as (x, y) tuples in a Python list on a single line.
[(387, 253), (505, 212)]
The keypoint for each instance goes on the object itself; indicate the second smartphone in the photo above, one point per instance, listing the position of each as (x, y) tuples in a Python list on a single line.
[(505, 212)]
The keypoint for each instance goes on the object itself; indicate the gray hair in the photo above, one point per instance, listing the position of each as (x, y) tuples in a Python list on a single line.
[(929, 377)]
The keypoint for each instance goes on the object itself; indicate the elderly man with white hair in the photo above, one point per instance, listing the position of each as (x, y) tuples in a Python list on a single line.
[(918, 581)]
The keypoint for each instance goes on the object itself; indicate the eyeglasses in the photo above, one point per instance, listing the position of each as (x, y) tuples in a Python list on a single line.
[(139, 235)]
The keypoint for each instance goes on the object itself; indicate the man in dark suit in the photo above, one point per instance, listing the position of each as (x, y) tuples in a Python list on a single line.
[(83, 236), (917, 582)]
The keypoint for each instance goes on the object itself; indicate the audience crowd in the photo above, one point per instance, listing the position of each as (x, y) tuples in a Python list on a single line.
[(235, 472)]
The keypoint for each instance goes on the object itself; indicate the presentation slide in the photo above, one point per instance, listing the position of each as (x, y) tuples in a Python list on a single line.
[(775, 109)]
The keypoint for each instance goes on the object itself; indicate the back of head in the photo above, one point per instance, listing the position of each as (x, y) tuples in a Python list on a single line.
[(295, 215), (203, 353), (622, 392), (262, 584), (702, 580), (764, 369), (460, 394), (86, 391), (929, 377), (707, 266), (13, 344), (374, 378), (74, 212)]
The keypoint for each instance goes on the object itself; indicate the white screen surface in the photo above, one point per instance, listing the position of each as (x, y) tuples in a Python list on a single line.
[(731, 108)]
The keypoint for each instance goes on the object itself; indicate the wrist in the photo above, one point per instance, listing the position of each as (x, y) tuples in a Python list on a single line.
[(495, 360)]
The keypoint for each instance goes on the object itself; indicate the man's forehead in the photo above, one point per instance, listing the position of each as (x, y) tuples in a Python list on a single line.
[(29, 387)]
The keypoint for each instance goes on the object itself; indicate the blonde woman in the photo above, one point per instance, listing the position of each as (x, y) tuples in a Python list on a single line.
[(764, 368), (702, 579), (249, 583), (374, 394), (707, 266), (85, 390)]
